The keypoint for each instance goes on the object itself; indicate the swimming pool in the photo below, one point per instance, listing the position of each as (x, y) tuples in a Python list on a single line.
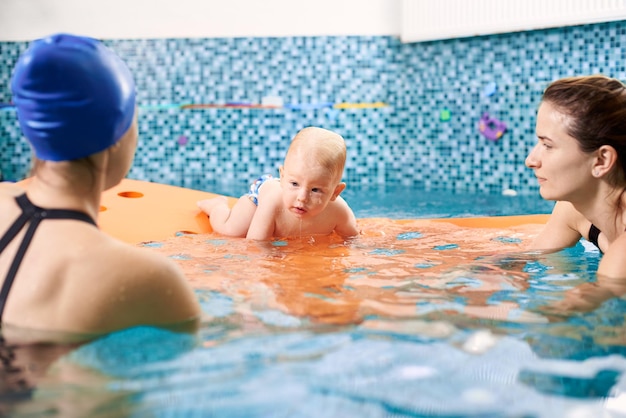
[(403, 202), (414, 318)]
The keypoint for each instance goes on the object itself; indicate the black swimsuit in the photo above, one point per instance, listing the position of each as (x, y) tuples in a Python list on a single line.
[(14, 385), (594, 232), (35, 215)]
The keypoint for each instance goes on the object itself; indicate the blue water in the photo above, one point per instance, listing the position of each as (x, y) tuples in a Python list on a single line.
[(410, 320), (401, 202)]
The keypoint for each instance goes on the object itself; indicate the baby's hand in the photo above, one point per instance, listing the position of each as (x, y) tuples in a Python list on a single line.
[(207, 205)]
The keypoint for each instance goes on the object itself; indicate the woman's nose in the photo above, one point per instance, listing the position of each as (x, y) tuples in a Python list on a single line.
[(531, 159)]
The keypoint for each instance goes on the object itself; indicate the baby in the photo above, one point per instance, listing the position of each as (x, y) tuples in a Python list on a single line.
[(303, 201)]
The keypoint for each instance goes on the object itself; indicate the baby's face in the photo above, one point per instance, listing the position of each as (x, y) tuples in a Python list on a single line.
[(307, 187)]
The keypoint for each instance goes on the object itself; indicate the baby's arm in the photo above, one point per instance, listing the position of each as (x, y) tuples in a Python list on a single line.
[(232, 222), (346, 220), (263, 222)]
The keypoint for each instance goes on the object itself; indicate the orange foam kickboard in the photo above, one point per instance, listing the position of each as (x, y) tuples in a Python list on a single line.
[(137, 211)]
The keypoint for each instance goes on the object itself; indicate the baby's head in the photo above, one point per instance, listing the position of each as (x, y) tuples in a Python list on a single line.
[(325, 147)]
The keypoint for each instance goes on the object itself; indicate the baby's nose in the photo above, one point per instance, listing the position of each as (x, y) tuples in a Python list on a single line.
[(303, 195)]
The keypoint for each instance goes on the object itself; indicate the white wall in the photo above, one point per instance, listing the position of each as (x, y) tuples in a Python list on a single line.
[(22, 20)]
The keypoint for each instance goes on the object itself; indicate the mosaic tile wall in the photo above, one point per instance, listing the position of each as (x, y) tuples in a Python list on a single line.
[(406, 143)]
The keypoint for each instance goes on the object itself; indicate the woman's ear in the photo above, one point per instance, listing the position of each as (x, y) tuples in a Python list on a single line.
[(115, 147), (606, 158)]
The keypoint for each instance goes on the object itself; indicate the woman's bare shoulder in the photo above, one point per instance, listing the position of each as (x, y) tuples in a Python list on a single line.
[(563, 228), (133, 286), (613, 264), (566, 214), (130, 260), (10, 189)]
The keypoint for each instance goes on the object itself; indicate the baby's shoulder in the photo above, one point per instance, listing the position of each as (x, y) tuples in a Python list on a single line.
[(270, 188), (340, 204)]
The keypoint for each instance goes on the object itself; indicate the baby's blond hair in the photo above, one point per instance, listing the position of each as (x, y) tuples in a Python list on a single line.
[(328, 148)]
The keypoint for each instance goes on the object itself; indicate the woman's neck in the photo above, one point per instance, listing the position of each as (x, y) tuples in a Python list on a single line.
[(66, 185), (606, 210)]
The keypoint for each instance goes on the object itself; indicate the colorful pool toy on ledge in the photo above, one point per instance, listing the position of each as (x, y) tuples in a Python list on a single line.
[(138, 211), (491, 128)]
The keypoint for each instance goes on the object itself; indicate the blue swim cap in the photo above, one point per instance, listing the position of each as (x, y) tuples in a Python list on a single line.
[(74, 97)]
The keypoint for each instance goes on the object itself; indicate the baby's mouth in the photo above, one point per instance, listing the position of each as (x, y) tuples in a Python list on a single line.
[(298, 210)]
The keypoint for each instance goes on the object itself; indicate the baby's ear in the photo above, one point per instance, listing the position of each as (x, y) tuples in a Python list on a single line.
[(338, 189)]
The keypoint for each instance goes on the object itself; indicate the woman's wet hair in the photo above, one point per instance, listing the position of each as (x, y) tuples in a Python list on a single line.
[(595, 107)]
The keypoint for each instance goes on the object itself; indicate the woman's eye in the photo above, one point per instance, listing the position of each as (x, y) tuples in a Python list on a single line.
[(544, 143)]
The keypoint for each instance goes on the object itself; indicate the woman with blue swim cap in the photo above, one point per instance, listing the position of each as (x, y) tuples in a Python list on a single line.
[(75, 102)]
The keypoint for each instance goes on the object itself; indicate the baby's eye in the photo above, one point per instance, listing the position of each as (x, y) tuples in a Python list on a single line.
[(317, 190), (294, 184)]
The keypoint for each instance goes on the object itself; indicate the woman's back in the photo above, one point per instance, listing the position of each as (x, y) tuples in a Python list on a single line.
[(74, 278), (75, 102)]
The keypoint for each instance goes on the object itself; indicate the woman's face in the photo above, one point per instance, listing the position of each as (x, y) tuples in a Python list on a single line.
[(561, 167)]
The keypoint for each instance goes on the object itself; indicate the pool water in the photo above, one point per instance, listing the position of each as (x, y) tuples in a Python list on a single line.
[(414, 318), (399, 202)]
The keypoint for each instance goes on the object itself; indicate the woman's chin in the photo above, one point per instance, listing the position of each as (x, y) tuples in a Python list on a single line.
[(546, 195)]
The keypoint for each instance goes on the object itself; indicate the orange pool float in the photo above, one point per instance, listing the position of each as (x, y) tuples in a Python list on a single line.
[(388, 271), (138, 211)]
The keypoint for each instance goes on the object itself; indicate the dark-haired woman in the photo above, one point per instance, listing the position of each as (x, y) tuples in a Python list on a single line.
[(580, 162)]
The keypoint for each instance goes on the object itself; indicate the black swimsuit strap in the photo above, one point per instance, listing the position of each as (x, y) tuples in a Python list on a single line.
[(8, 281), (13, 230), (35, 214), (37, 211), (594, 233)]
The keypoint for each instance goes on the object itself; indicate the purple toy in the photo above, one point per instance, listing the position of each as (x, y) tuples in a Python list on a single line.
[(491, 128)]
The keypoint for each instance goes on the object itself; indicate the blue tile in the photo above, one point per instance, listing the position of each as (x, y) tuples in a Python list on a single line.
[(406, 143)]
